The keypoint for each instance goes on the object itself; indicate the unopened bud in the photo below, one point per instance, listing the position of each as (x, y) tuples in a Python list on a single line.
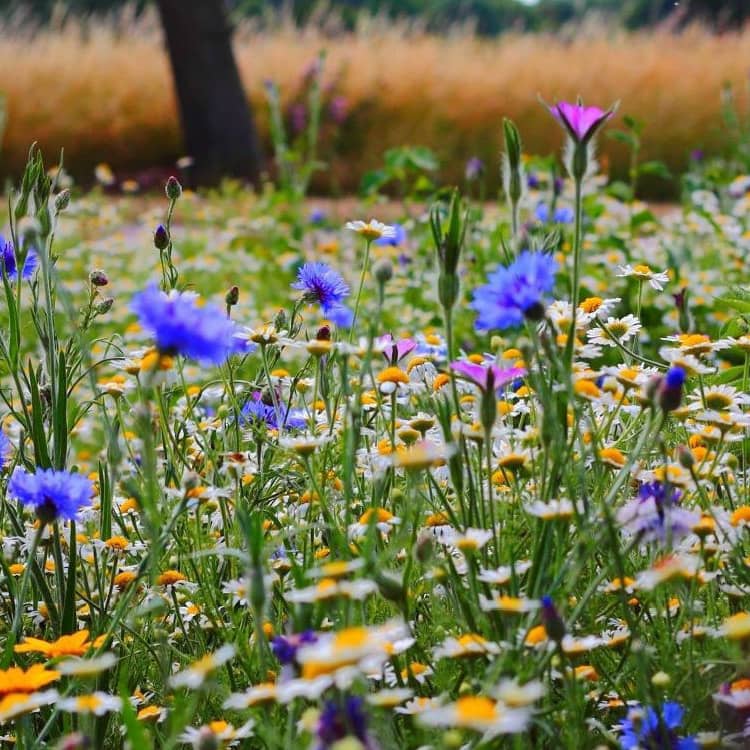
[(173, 189), (383, 271), (280, 321), (98, 278), (232, 297), (661, 680), (161, 237), (105, 305), (670, 389), (552, 621), (685, 457), (62, 200)]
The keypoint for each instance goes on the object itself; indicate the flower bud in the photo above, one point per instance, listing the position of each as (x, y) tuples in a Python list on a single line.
[(62, 200), (512, 169), (280, 320), (383, 271), (670, 389), (105, 305), (685, 457), (232, 297), (98, 278), (173, 189), (161, 237), (552, 621)]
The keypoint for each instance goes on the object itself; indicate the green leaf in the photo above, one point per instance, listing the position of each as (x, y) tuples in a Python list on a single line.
[(38, 436), (732, 303), (655, 168)]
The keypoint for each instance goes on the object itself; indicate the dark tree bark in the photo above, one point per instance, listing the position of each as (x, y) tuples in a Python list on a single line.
[(216, 121)]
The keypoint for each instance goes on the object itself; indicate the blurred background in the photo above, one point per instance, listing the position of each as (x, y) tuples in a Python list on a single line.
[(362, 89)]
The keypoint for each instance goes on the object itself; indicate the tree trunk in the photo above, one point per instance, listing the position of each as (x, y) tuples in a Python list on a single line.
[(216, 121)]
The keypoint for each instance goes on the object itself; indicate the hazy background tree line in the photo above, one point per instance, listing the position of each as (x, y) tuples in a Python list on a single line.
[(490, 16)]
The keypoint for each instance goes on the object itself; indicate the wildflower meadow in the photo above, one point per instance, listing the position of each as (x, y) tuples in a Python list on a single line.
[(453, 473)]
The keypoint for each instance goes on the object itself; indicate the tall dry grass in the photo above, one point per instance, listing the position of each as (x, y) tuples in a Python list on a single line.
[(104, 93)]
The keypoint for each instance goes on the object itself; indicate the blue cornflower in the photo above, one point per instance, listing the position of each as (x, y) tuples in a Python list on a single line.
[(285, 648), (53, 494), (651, 730), (180, 326), (562, 215), (5, 448), (341, 720), (397, 239), (258, 412), (670, 388), (322, 284), (317, 216), (515, 292), (8, 259)]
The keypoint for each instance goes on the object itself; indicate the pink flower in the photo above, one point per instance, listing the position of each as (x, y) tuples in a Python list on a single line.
[(395, 351), (580, 122), (487, 377)]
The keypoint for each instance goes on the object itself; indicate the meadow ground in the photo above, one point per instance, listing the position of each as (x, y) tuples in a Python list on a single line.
[(473, 478)]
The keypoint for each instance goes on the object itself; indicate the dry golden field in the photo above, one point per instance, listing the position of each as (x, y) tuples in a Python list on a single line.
[(104, 93)]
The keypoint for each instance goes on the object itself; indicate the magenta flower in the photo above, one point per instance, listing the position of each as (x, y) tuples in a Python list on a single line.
[(487, 377), (581, 122), (394, 351)]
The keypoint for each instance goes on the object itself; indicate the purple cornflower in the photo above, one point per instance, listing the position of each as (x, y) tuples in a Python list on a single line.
[(53, 494), (285, 648), (338, 109), (655, 729), (655, 514), (8, 259), (256, 411), (487, 377), (474, 169), (341, 720), (515, 292), (180, 326), (322, 284), (298, 117), (581, 122)]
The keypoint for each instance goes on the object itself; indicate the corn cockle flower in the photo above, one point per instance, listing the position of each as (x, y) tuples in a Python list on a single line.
[(581, 123), (487, 377), (181, 326), (515, 292), (395, 350), (53, 494)]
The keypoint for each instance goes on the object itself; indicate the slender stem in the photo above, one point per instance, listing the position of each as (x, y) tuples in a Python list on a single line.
[(361, 285), (21, 594)]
